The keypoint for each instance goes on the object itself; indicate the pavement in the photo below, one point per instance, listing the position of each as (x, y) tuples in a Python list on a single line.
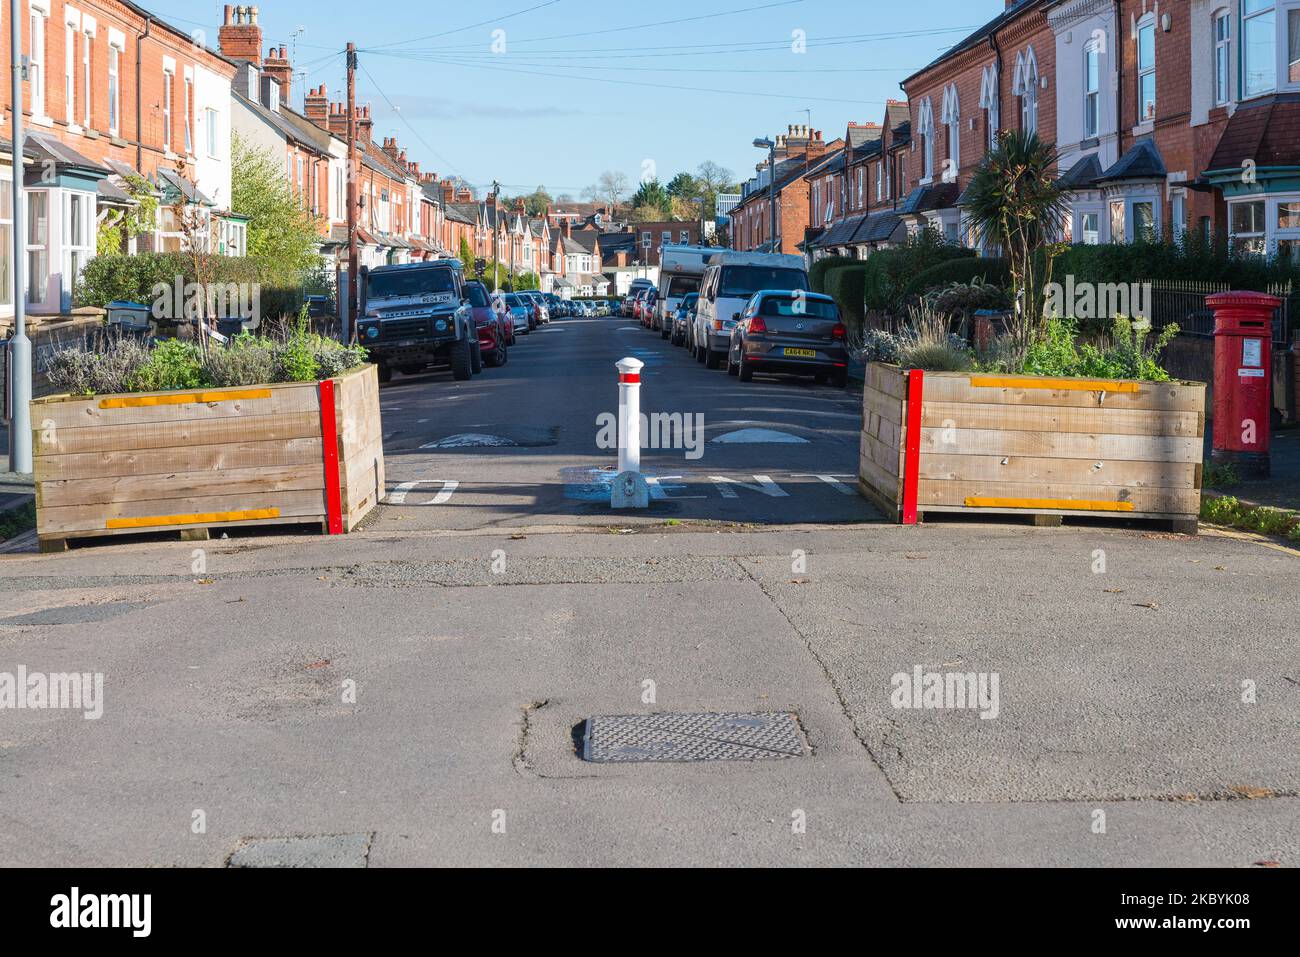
[(413, 693), (1282, 488)]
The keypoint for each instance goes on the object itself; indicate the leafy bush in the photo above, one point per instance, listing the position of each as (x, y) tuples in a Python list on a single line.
[(892, 270), (881, 346), (1131, 355), (171, 364), (965, 270), (1263, 520), (929, 343), (847, 286), (1192, 259), (817, 272)]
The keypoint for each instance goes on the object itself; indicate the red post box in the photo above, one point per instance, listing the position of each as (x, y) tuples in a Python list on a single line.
[(1243, 379)]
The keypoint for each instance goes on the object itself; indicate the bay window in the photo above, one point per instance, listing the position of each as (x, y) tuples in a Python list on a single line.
[(79, 242), (38, 245), (1288, 231), (1246, 224), (1144, 222), (1118, 231)]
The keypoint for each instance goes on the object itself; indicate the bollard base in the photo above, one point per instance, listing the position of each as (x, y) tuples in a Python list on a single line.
[(1251, 465), (630, 490)]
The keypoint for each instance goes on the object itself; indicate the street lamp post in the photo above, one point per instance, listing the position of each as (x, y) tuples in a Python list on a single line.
[(763, 143), (20, 347)]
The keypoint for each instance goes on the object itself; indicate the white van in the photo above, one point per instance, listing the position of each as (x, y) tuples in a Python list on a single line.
[(730, 279), (680, 271)]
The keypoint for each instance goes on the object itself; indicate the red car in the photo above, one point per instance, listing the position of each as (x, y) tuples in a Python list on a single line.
[(648, 300), (496, 333)]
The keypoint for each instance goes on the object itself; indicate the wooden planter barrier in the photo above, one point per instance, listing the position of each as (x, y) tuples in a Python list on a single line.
[(289, 453), (1031, 445)]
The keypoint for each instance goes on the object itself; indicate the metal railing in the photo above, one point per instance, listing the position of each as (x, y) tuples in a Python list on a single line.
[(1183, 302)]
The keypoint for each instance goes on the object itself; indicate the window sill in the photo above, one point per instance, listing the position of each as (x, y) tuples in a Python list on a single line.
[(74, 128), (1144, 129), (42, 121)]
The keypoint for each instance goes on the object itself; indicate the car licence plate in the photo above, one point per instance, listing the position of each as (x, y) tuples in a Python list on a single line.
[(800, 353)]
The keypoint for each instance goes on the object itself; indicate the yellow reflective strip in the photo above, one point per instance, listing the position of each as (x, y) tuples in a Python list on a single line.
[(1069, 385), (181, 398), (1041, 503), (202, 518)]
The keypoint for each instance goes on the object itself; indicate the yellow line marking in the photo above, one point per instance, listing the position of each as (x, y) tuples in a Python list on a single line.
[(1069, 385), (182, 398), (201, 518), (1041, 503)]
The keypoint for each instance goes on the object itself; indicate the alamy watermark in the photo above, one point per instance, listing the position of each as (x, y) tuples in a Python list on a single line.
[(659, 430), (946, 690), (36, 690), (1093, 300), (217, 300)]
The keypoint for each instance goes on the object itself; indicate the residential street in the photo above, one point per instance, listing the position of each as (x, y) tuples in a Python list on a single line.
[(482, 628)]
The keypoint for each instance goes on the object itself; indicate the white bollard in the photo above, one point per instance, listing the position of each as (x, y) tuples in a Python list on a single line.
[(630, 489)]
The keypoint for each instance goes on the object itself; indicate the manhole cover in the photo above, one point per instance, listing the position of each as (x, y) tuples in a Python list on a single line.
[(692, 737)]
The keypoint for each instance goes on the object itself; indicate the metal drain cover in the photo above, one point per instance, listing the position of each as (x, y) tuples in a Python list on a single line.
[(692, 737)]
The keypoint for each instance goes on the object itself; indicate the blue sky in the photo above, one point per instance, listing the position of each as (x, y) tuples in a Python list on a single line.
[(582, 86)]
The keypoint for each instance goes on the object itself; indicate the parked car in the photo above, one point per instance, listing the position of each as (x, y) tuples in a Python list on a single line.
[(683, 318), (729, 282), (416, 315), (554, 305), (629, 303), (521, 312), (790, 332), (495, 331), (539, 301), (649, 300), (680, 270)]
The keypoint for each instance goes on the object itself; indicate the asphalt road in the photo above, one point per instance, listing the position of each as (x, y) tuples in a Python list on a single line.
[(522, 442), (409, 694)]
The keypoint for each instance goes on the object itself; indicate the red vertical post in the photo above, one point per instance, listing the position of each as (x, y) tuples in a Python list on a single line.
[(329, 434), (912, 447)]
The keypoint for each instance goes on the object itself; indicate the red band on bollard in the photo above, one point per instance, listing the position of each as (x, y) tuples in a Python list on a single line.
[(629, 377), (912, 460), (329, 433)]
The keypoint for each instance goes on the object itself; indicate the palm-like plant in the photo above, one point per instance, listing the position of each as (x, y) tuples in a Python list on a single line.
[(1014, 202)]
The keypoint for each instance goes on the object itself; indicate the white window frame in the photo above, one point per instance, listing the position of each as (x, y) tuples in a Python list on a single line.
[(925, 129), (70, 67), (989, 103), (40, 247), (952, 119), (168, 96), (1025, 86), (1234, 238), (880, 182), (77, 248), (187, 115), (36, 60), (6, 254), (1221, 32), (87, 86), (1178, 214), (1092, 90), (1250, 18), (116, 47), (210, 121), (1081, 217), (1147, 25)]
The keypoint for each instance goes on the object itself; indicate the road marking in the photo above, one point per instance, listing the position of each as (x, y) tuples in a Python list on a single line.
[(398, 495), (832, 480), (471, 440), (765, 486), (759, 436), (660, 492)]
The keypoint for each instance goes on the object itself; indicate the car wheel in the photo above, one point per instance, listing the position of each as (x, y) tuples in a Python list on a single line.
[(699, 354), (665, 333), (840, 379), (733, 368), (462, 361), (712, 359), (385, 373), (746, 370), (821, 378), (476, 359)]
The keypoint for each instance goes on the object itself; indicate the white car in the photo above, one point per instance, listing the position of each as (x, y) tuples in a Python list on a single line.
[(520, 310), (729, 281)]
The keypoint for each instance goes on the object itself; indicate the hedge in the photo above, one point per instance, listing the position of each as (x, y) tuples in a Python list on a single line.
[(892, 270), (124, 278), (993, 271), (846, 284), (1190, 260), (817, 273)]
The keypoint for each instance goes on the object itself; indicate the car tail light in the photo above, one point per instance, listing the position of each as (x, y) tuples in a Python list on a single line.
[(839, 332), (757, 324)]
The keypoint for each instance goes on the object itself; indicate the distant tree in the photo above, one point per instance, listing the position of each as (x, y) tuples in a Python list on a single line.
[(281, 233), (611, 189), (652, 193), (683, 186), (537, 202), (713, 179), (466, 256), (564, 198), (649, 214), (684, 208)]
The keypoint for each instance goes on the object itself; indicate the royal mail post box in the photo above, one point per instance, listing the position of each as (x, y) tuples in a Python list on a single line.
[(1243, 380)]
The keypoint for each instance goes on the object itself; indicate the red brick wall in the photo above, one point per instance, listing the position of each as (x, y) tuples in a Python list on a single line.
[(161, 42)]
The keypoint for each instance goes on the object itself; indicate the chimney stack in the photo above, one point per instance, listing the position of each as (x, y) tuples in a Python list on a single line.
[(390, 148), (364, 124), (316, 106), (277, 67), (240, 36)]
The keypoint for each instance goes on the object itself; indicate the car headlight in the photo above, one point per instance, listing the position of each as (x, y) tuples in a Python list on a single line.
[(441, 325), (372, 332)]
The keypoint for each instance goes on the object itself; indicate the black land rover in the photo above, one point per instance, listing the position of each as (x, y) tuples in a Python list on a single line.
[(416, 315)]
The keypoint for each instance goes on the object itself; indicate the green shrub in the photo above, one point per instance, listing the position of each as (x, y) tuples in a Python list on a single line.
[(817, 272), (1262, 520), (1130, 355), (892, 270), (1193, 259), (964, 270), (171, 364), (847, 286)]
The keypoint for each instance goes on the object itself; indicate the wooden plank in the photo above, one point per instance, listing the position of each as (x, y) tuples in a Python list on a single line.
[(1042, 418), (886, 487), (882, 454), (887, 379), (1069, 513), (63, 520), (1001, 494), (114, 410), (129, 488), (192, 458), (262, 428), (1067, 445), (885, 406), (1049, 471), (1154, 396)]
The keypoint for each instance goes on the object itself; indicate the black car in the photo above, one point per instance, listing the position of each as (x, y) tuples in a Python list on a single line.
[(681, 319), (416, 315), (792, 332)]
